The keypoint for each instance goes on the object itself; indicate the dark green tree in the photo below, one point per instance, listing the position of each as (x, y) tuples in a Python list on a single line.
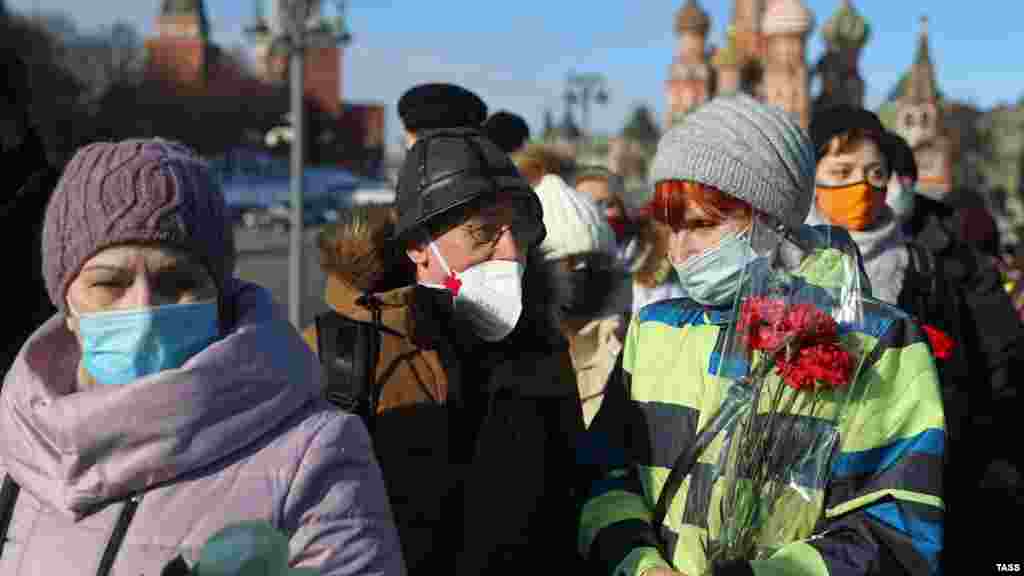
[(641, 126), (549, 124), (55, 94)]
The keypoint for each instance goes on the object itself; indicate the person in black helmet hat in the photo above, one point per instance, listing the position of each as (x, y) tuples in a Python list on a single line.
[(28, 182), (438, 105), (473, 405), (509, 131)]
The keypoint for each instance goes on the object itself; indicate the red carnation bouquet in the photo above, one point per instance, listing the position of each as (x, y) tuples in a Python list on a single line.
[(791, 365)]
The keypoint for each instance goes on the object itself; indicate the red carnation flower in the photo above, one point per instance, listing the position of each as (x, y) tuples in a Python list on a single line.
[(760, 324), (942, 345), (814, 355), (826, 363)]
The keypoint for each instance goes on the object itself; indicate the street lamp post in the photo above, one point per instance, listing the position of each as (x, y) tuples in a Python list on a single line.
[(300, 26), (584, 89), (295, 243)]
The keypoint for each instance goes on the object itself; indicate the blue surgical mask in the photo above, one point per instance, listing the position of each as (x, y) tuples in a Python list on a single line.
[(711, 277), (900, 198), (122, 346)]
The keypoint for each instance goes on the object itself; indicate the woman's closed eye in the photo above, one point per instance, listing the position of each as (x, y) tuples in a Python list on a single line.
[(107, 280), (699, 224)]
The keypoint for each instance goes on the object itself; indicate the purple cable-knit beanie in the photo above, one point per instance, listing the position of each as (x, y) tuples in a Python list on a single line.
[(134, 191)]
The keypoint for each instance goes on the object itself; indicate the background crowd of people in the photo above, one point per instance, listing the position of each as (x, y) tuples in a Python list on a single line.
[(515, 360)]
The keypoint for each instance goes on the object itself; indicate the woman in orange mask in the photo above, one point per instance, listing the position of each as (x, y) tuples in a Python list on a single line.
[(851, 183)]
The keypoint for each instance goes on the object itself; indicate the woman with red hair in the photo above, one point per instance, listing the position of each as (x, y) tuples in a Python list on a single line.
[(699, 216), (734, 182)]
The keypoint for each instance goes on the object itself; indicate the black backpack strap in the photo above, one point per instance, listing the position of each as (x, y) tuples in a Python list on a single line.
[(926, 266), (176, 567), (124, 518), (8, 497), (348, 351), (921, 282), (938, 300)]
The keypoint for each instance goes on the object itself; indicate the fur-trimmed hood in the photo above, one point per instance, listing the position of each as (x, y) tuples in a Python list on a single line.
[(358, 256)]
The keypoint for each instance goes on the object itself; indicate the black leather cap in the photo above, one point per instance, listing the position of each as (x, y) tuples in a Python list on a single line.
[(449, 168)]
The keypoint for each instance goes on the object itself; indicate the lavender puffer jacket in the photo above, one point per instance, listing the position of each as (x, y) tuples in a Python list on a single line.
[(237, 433)]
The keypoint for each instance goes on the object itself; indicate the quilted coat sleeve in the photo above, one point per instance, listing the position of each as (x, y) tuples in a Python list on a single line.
[(337, 510)]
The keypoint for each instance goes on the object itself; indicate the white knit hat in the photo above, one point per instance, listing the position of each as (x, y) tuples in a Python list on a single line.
[(574, 223)]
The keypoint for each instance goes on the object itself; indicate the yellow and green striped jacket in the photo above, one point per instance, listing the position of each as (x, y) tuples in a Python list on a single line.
[(876, 510)]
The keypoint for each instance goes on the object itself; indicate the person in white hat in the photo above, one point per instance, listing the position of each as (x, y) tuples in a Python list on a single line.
[(581, 245)]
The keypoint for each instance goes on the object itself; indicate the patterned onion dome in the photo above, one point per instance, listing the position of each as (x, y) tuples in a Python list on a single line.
[(787, 17), (847, 28), (692, 18)]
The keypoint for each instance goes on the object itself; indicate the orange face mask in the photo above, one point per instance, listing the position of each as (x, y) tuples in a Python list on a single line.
[(852, 206)]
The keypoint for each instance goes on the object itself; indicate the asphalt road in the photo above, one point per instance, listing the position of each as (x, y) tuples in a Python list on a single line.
[(263, 259)]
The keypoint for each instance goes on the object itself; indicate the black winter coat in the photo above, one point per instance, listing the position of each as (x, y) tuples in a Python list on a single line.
[(980, 392), (993, 336), (477, 441)]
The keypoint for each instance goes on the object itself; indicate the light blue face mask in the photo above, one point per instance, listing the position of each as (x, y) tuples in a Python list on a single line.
[(711, 277), (900, 198), (121, 346)]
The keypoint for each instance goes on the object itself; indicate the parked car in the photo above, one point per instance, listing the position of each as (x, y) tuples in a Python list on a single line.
[(257, 189), (314, 213)]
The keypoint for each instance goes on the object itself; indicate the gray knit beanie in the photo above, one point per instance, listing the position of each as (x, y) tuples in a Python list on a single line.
[(753, 151), (134, 191)]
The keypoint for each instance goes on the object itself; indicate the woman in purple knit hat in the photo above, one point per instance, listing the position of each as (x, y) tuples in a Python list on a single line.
[(166, 399)]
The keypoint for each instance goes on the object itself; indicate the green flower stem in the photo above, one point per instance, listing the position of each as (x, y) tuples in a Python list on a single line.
[(749, 502)]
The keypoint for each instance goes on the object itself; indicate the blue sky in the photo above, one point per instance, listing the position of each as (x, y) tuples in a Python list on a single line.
[(516, 54)]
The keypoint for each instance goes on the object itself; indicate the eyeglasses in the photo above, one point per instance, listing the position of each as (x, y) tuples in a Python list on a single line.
[(516, 215)]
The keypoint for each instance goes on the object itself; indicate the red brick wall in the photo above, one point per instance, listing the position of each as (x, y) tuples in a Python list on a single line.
[(179, 60), (196, 68), (323, 78), (373, 124)]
